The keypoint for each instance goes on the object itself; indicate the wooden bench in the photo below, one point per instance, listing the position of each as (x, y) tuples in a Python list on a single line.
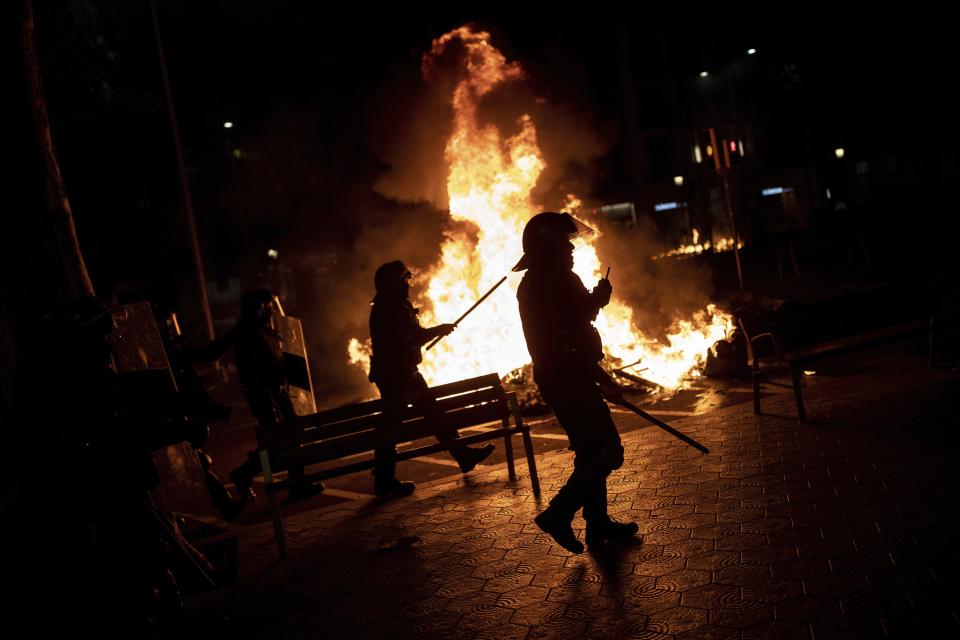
[(360, 428), (807, 333)]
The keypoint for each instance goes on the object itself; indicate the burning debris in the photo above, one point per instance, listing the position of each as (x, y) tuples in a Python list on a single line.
[(489, 186), (520, 381), (696, 247)]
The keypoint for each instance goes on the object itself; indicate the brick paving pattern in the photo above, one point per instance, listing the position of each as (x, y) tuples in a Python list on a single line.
[(843, 528)]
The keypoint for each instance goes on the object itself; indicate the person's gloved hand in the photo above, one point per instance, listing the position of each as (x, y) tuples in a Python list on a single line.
[(603, 291), (444, 329), (610, 390)]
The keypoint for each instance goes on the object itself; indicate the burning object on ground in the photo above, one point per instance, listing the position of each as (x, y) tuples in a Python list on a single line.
[(728, 357), (489, 184)]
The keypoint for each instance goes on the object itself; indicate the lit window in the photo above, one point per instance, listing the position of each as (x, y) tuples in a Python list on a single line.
[(666, 206)]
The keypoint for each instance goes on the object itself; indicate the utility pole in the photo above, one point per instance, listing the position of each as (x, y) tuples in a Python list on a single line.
[(184, 184), (726, 183)]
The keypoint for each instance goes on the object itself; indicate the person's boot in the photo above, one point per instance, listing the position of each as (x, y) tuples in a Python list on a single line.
[(468, 458), (609, 531), (243, 483), (305, 490), (231, 510), (557, 525), (393, 488)]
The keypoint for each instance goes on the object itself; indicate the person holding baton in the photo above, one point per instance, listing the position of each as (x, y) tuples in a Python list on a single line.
[(557, 313), (397, 339)]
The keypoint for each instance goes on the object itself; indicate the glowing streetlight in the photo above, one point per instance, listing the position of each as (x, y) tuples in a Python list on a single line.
[(839, 152), (704, 74), (228, 125), (273, 253), (750, 52), (678, 180)]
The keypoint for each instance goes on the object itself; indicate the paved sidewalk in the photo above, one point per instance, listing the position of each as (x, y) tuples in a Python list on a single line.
[(846, 528)]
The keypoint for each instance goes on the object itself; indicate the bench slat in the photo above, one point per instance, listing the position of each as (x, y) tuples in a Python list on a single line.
[(373, 438), (461, 386), (408, 454), (856, 343), (493, 394), (331, 416), (271, 437), (267, 439)]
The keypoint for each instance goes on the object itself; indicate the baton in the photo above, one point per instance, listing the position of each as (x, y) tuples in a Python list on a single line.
[(663, 425), (467, 312)]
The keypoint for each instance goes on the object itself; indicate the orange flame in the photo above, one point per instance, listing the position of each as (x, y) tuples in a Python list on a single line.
[(695, 247), (489, 184)]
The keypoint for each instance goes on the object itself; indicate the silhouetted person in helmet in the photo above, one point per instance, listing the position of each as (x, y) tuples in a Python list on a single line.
[(397, 339), (197, 405), (258, 349), (557, 313)]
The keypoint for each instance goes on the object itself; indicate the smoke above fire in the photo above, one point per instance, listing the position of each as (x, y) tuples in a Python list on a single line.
[(476, 128)]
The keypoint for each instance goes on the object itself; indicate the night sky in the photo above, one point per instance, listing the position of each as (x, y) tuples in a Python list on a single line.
[(325, 104)]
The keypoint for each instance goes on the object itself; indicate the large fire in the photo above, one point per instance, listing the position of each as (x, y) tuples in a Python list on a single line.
[(489, 184)]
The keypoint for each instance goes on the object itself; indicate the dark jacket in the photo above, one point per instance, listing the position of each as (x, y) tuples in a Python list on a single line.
[(259, 352), (397, 337), (557, 313)]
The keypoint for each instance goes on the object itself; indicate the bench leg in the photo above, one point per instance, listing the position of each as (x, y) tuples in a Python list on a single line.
[(274, 505), (527, 443), (798, 392), (508, 450), (278, 525)]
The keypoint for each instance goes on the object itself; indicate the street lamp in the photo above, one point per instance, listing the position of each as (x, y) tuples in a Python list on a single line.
[(678, 180), (750, 52), (228, 125), (704, 74), (839, 152)]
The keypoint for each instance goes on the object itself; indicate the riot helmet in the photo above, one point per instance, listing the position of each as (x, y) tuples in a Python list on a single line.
[(392, 279), (548, 234), (259, 304)]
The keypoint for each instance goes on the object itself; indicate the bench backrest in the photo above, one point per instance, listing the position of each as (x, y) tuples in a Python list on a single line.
[(356, 428), (800, 324)]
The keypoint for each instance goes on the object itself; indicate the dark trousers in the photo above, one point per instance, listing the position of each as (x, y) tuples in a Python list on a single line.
[(593, 436), (218, 493), (396, 394), (268, 407)]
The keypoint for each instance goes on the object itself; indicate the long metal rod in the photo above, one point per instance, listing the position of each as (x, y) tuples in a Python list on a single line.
[(467, 312), (663, 425), (184, 184), (726, 186)]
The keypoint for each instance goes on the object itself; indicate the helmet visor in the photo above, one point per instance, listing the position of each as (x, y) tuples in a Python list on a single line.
[(583, 234), (577, 232)]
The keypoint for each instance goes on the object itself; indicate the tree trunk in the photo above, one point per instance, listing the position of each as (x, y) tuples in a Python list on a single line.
[(41, 259)]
